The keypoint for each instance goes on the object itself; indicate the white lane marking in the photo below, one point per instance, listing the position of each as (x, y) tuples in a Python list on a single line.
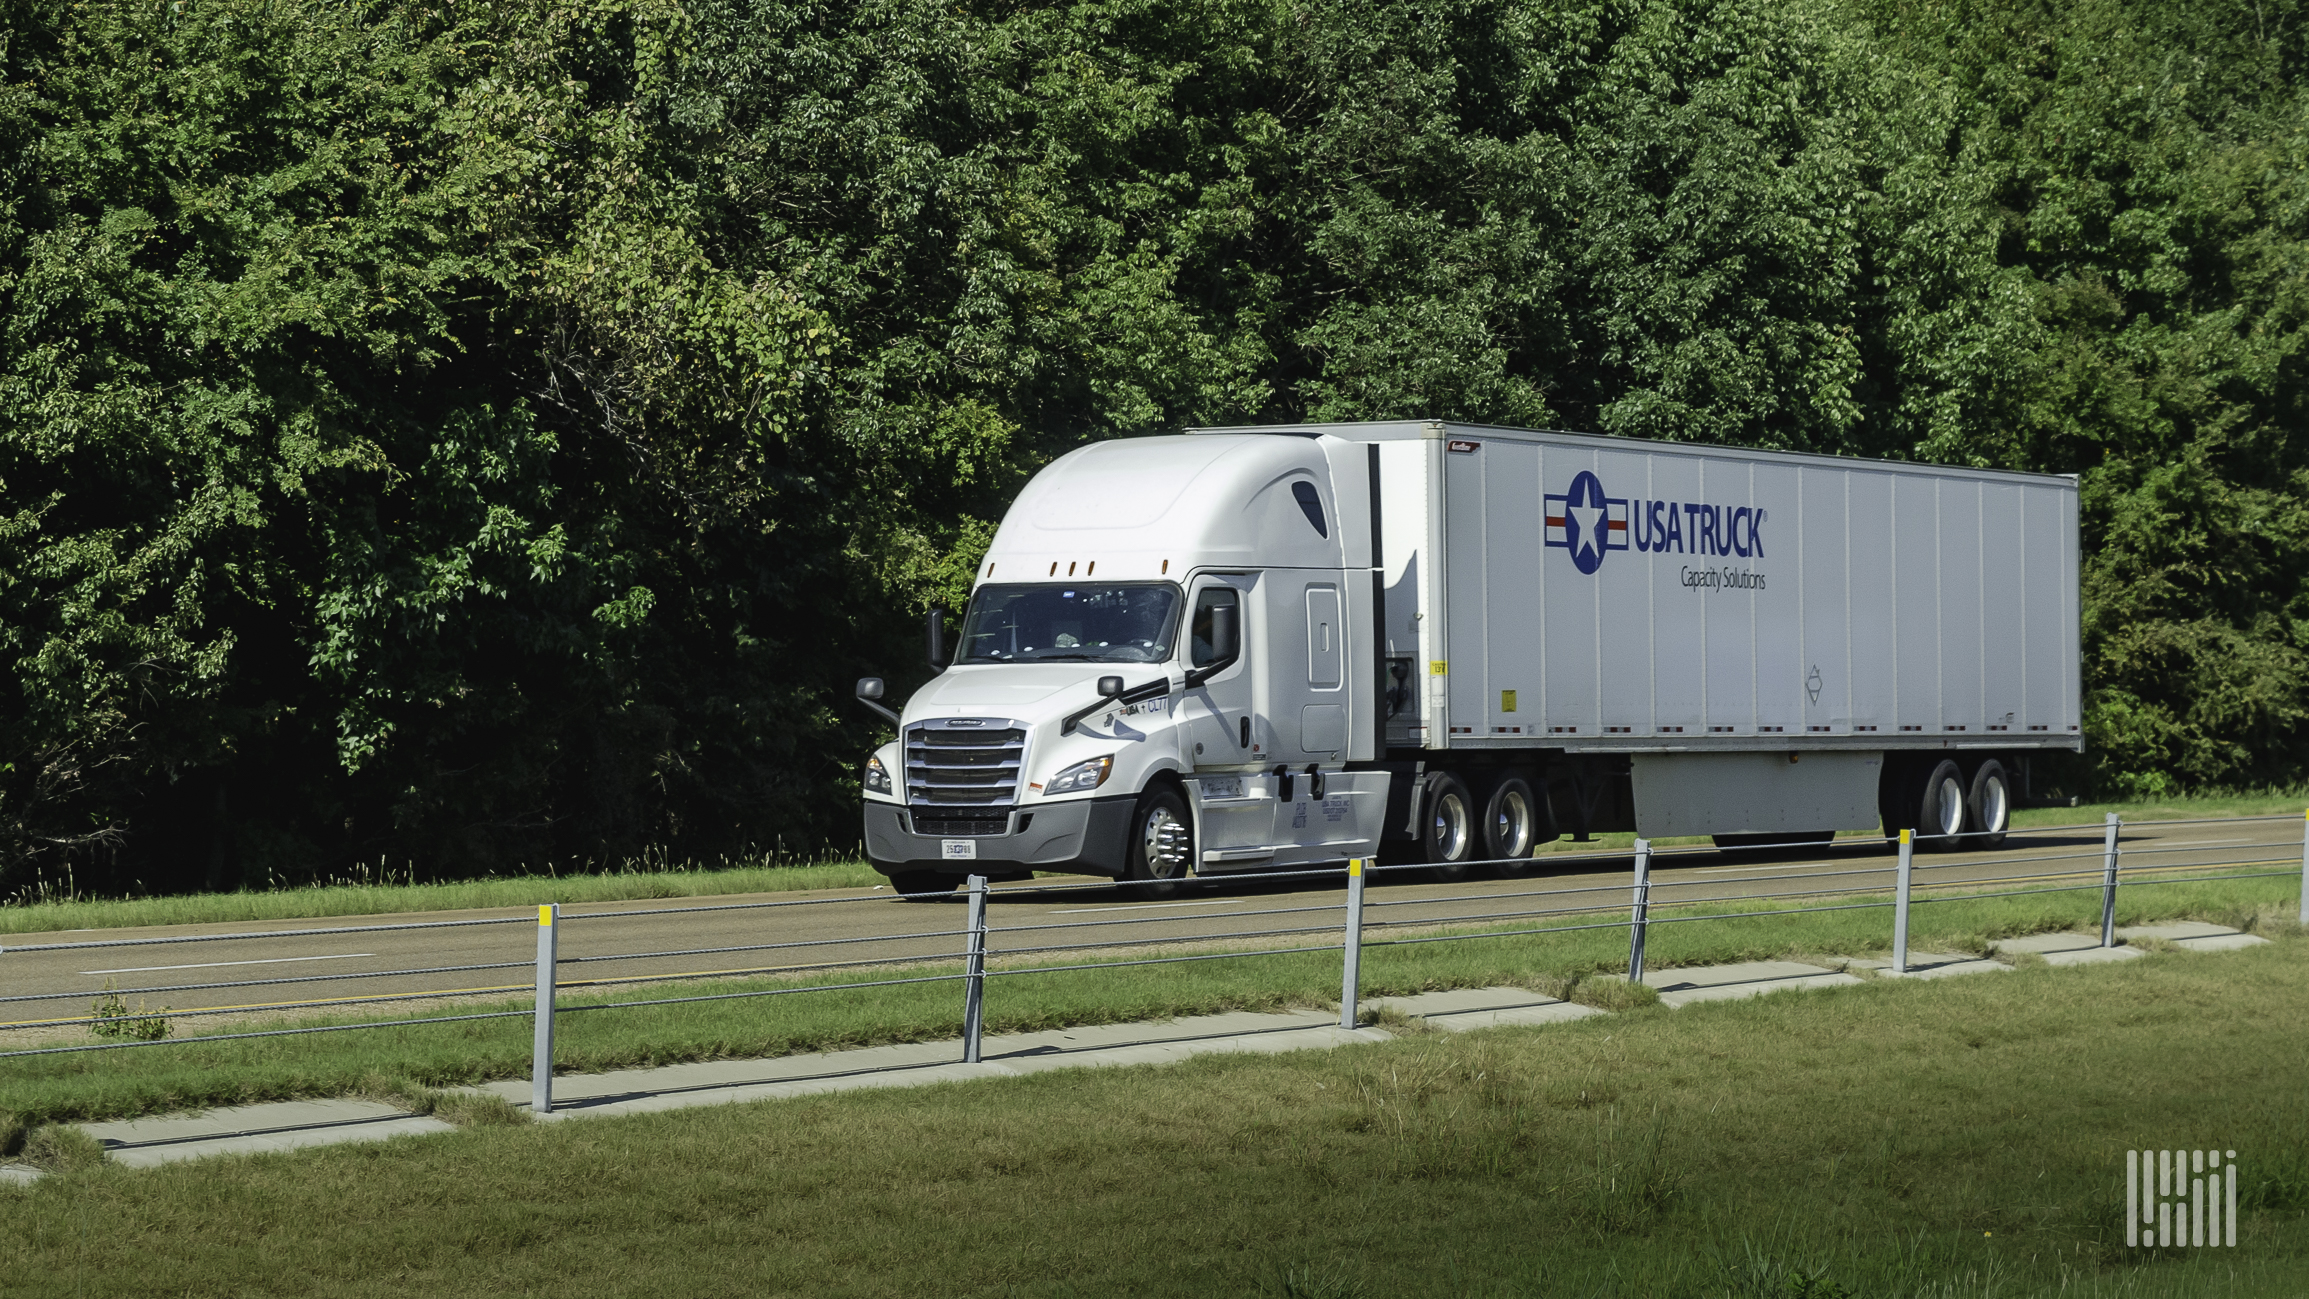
[(220, 965), (1149, 906)]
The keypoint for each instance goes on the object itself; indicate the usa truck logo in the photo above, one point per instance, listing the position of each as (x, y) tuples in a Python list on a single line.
[(1586, 522)]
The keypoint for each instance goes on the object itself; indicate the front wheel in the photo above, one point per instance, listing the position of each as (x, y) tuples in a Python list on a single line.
[(1162, 844)]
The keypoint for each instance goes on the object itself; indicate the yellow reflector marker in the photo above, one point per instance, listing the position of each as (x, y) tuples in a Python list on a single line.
[(1904, 835), (1354, 866), (545, 915)]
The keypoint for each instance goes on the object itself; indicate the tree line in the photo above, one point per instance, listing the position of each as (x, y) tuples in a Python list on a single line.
[(485, 436)]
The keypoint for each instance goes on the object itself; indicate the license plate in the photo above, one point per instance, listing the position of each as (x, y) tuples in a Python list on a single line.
[(959, 849), (1222, 787)]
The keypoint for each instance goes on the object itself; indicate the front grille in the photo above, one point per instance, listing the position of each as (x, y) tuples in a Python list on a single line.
[(953, 828), (961, 766)]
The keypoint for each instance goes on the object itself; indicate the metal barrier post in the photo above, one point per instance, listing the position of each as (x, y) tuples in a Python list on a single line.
[(2109, 885), (2303, 917), (1900, 904), (1351, 980), (974, 995), (1641, 921), (541, 1044)]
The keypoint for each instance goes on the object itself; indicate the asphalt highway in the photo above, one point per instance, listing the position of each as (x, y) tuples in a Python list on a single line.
[(421, 962)]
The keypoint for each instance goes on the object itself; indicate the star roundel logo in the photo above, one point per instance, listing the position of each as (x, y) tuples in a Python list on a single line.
[(1586, 522)]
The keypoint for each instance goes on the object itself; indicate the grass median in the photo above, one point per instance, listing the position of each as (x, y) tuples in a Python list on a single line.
[(1958, 1138), (637, 881), (181, 1075)]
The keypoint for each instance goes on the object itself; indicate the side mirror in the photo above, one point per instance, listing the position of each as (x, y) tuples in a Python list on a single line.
[(1109, 687), (870, 694), (934, 631)]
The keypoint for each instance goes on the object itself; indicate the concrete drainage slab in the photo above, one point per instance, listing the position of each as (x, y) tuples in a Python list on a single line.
[(1933, 965), (249, 1129), (1462, 1009), (2065, 949), (1681, 987), (2195, 935)]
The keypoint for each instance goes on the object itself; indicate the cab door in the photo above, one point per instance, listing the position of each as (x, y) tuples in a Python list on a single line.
[(1222, 733), (1223, 739)]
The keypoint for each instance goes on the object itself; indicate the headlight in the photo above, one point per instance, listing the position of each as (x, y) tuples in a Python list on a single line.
[(877, 780), (1080, 776)]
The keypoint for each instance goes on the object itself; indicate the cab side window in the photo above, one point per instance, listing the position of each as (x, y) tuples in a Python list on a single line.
[(1200, 652)]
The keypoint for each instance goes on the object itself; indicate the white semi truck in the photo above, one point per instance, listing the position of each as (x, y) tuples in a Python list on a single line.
[(1246, 649)]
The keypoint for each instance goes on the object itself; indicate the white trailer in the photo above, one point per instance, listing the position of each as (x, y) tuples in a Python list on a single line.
[(1470, 640)]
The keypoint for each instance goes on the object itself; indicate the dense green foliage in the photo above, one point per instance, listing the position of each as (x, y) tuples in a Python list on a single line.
[(488, 435)]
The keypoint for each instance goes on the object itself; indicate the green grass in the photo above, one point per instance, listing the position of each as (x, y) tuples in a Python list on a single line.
[(144, 1080), (2290, 803), (1903, 1140), (360, 898)]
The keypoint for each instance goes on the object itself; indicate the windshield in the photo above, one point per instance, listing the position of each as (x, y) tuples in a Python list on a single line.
[(1089, 624)]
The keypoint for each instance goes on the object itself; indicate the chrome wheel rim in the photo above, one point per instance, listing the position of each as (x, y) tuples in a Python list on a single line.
[(1167, 846), (1995, 805), (1511, 827), (1450, 827), (1948, 807)]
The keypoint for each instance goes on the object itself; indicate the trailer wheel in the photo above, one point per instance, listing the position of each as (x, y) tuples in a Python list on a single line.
[(1510, 823), (1988, 808), (1162, 843), (923, 884), (1447, 832), (1940, 812)]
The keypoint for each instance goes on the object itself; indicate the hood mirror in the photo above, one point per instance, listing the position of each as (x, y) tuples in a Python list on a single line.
[(1109, 687), (870, 694)]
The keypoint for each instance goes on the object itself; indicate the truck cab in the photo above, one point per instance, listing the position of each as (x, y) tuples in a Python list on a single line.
[(1154, 676)]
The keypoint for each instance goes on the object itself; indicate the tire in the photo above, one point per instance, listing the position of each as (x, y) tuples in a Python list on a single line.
[(924, 884), (1940, 813), (1447, 827), (1895, 805), (1988, 806), (1511, 824), (1160, 853)]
